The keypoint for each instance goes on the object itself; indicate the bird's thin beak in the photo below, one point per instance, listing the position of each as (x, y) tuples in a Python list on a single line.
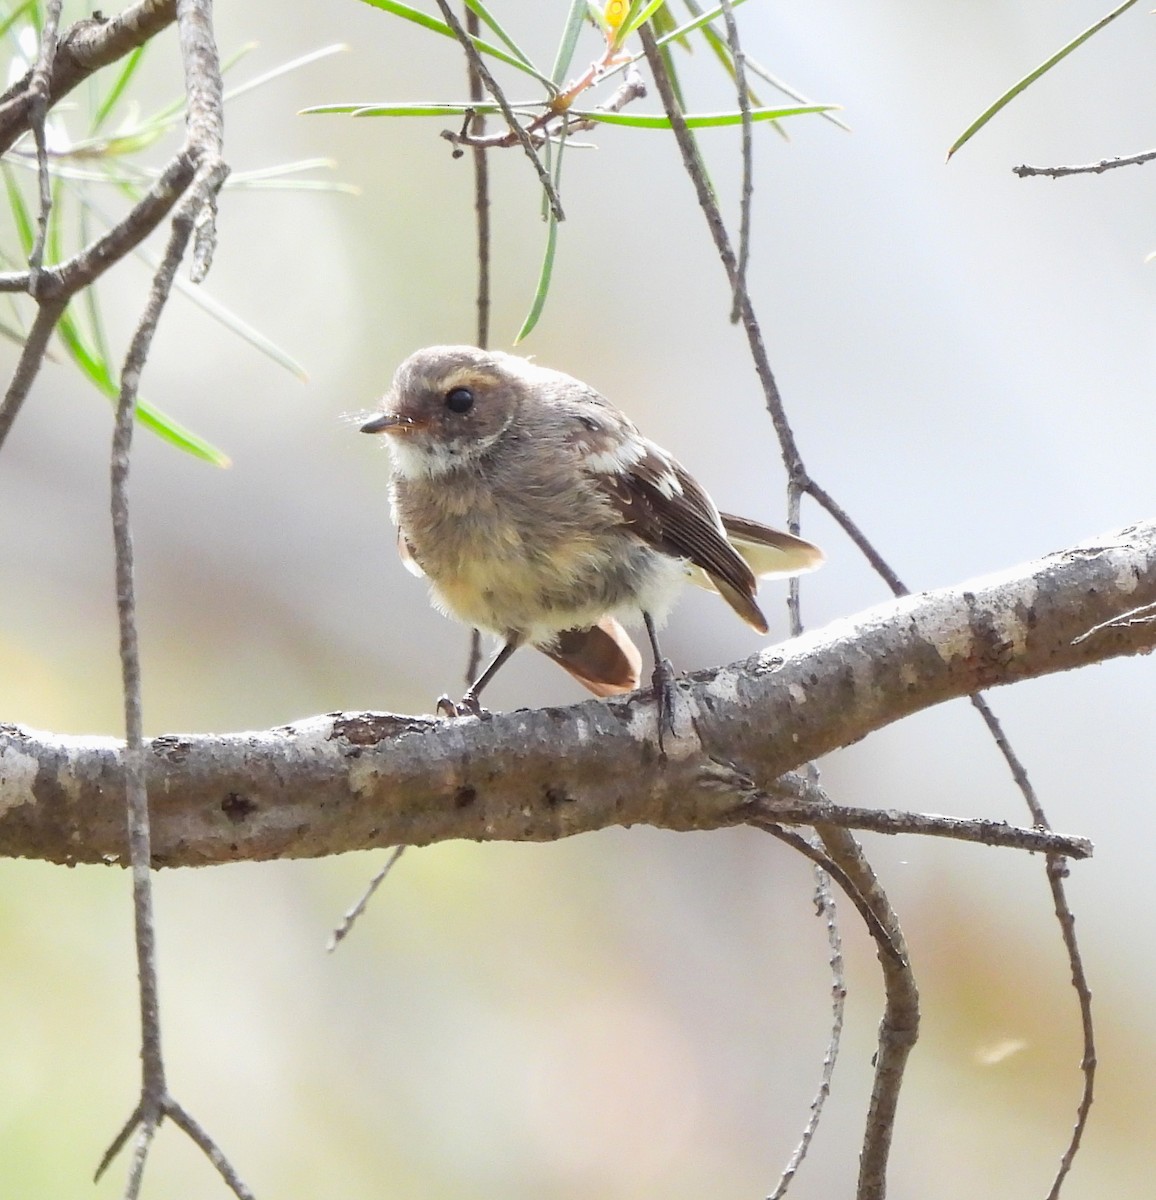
[(390, 422)]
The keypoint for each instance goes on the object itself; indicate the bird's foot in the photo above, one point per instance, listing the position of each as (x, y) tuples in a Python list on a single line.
[(468, 706), (664, 692)]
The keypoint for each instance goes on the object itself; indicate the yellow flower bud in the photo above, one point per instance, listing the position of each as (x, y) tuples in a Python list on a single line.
[(615, 13)]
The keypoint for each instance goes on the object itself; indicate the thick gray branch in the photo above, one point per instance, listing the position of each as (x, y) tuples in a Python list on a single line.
[(89, 45), (352, 781)]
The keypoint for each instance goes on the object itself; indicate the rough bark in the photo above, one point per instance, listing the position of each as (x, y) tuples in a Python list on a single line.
[(350, 781)]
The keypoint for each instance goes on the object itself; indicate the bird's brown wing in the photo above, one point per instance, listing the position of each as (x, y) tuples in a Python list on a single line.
[(602, 658), (662, 504), (770, 553)]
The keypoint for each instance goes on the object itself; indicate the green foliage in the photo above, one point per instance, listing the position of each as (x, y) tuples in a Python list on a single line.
[(516, 59), (546, 274), (78, 166), (698, 120), (569, 41), (546, 120), (1030, 78)]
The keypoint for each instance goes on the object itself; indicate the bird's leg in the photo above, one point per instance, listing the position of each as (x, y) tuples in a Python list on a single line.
[(469, 705), (662, 681)]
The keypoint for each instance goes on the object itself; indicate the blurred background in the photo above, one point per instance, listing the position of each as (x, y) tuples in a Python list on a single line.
[(967, 358)]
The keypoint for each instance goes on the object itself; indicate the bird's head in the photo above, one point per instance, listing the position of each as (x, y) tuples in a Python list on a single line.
[(447, 406)]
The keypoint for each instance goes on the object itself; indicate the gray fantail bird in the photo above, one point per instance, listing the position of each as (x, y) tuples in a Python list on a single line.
[(539, 513)]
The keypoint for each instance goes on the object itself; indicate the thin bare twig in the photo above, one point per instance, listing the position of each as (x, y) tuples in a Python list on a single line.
[(900, 1025), (482, 220), (56, 285), (1055, 863), (1105, 164), (1057, 871), (38, 116), (747, 190), (824, 902), (899, 1028), (824, 862), (87, 265), (351, 916), (481, 196), (156, 1102), (192, 220), (825, 908), (478, 64), (154, 1090), (878, 563), (548, 125), (31, 356), (205, 121), (797, 799), (90, 44), (86, 47), (696, 170), (799, 480)]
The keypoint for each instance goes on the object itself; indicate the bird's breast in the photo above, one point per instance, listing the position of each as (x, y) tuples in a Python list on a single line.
[(529, 561)]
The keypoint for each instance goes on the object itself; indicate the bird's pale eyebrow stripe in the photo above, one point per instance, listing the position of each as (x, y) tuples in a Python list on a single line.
[(462, 377)]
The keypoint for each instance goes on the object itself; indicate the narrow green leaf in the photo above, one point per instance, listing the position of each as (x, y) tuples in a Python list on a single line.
[(722, 51), (632, 11), (19, 11), (91, 299), (700, 18), (640, 10), (1028, 80), (285, 68), (486, 16), (171, 112), (547, 271), (123, 79), (721, 48), (279, 177), (664, 24), (235, 324), (543, 288), (426, 21), (699, 120), (95, 369), (177, 435), (164, 118), (54, 246), (675, 35), (596, 17), (240, 54), (21, 217), (203, 300), (119, 146), (756, 68), (331, 186), (95, 363), (13, 334), (281, 170), (409, 110), (664, 52), (151, 418), (569, 42)]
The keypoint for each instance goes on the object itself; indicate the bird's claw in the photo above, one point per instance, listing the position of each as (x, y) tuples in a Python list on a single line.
[(664, 688), (468, 706)]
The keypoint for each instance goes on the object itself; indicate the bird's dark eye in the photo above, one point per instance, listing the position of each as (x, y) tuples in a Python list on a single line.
[(459, 400)]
